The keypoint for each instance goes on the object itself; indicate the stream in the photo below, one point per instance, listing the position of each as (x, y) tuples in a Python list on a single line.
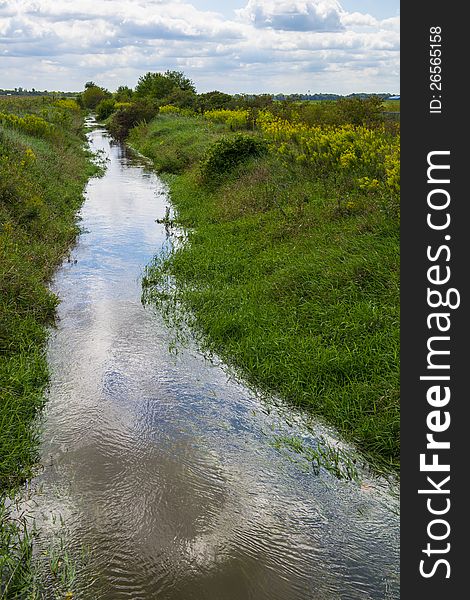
[(161, 473)]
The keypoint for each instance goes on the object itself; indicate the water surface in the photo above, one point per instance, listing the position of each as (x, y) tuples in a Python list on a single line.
[(164, 468)]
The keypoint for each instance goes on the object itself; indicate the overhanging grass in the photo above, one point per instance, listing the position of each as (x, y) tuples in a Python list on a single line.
[(173, 142), (37, 224), (41, 187), (293, 290)]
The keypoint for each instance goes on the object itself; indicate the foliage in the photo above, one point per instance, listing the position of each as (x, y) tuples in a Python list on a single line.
[(160, 86), (67, 104), (169, 109), (126, 118), (357, 156), (154, 86), (180, 81), (189, 136), (185, 99), (105, 108), (123, 94), (43, 169), (256, 101), (93, 95), (234, 119), (228, 152), (30, 124), (215, 100), (360, 111), (291, 281)]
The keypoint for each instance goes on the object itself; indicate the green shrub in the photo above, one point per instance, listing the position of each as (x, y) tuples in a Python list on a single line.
[(169, 109), (228, 152), (105, 108), (126, 118), (234, 119), (93, 95), (30, 124)]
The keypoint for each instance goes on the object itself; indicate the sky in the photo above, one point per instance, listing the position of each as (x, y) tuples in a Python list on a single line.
[(235, 46)]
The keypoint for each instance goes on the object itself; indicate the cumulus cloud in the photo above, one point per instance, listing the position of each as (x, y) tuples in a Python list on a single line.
[(270, 45), (294, 15)]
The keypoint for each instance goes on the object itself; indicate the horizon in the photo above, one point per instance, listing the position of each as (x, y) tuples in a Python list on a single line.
[(22, 90)]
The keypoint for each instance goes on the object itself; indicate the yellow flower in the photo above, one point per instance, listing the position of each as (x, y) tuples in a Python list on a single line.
[(29, 154)]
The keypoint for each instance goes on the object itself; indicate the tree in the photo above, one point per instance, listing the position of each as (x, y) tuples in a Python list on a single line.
[(259, 101), (182, 98), (215, 101), (126, 118), (158, 86), (105, 108), (154, 86), (93, 95), (181, 81), (123, 94), (359, 111)]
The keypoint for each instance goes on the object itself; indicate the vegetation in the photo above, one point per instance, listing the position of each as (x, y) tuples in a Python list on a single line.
[(228, 152), (43, 169), (128, 116), (290, 271), (92, 96)]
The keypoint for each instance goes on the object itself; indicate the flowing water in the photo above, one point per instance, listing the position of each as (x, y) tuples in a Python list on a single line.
[(162, 473)]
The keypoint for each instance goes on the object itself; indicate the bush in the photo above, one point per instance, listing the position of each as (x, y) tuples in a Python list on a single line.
[(93, 95), (360, 111), (105, 108), (234, 119), (126, 118), (168, 109), (30, 124), (228, 152)]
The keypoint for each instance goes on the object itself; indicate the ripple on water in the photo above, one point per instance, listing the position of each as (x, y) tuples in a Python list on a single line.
[(161, 466)]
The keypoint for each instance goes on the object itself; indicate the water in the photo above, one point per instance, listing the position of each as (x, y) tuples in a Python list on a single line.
[(160, 468)]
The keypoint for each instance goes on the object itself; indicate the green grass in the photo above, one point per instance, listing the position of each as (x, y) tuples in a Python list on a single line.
[(294, 290), (41, 186), (187, 142)]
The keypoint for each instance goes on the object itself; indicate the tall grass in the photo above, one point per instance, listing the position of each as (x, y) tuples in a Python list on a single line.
[(293, 285), (43, 169)]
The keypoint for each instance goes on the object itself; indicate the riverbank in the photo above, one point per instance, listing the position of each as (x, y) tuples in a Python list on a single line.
[(291, 277), (43, 170)]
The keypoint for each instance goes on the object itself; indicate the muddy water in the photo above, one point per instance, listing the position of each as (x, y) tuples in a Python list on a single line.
[(162, 473)]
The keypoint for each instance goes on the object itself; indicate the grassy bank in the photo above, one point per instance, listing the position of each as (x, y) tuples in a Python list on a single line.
[(290, 272), (43, 169)]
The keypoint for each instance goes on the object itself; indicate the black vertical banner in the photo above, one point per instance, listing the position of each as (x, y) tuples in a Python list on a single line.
[(435, 268)]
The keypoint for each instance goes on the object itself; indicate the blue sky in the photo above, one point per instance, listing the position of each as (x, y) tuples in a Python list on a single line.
[(335, 46)]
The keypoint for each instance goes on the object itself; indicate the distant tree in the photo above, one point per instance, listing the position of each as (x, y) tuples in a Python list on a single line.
[(93, 95), (215, 100), (360, 111), (258, 101), (154, 86), (105, 108), (182, 99), (159, 86), (124, 119), (181, 81), (123, 94), (90, 84)]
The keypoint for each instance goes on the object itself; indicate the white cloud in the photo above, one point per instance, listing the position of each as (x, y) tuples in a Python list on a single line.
[(271, 45), (294, 15)]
